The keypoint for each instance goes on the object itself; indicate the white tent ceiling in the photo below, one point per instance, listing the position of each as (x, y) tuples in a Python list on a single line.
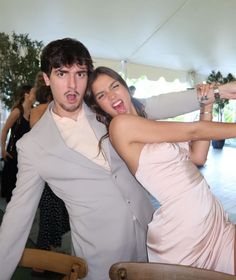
[(182, 35)]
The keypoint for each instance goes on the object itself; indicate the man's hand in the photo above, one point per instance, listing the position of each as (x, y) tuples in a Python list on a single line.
[(228, 91), (206, 95)]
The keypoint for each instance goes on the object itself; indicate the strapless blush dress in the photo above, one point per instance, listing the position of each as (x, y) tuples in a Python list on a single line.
[(191, 226)]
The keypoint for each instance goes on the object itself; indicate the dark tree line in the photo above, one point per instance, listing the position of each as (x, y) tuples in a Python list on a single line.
[(19, 64)]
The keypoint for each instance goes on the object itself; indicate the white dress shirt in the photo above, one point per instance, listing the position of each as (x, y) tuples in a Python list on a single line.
[(79, 136)]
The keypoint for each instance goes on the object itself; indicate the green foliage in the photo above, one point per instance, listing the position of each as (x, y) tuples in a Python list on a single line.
[(19, 64), (217, 77)]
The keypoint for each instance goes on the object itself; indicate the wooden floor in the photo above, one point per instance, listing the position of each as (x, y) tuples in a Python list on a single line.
[(220, 172)]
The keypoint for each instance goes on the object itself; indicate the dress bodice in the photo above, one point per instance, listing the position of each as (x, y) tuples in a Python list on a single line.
[(169, 164)]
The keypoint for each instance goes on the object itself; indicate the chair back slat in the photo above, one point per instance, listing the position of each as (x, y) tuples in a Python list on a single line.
[(160, 271), (71, 266)]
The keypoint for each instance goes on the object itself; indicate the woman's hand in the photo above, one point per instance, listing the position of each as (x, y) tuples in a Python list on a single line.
[(6, 155), (205, 94)]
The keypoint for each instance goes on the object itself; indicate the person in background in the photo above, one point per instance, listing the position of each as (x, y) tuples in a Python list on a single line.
[(53, 216), (108, 209), (17, 124), (43, 98), (132, 90), (190, 227)]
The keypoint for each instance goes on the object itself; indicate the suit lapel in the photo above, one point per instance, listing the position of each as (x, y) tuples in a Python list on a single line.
[(52, 141)]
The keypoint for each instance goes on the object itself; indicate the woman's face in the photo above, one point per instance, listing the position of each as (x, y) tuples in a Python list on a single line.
[(112, 96)]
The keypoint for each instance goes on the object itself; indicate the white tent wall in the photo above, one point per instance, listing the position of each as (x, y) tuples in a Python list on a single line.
[(135, 71)]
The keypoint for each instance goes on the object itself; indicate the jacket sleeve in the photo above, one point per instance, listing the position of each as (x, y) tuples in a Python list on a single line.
[(171, 104), (19, 215)]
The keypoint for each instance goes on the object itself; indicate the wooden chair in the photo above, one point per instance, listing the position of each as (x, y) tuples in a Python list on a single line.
[(70, 266), (158, 271)]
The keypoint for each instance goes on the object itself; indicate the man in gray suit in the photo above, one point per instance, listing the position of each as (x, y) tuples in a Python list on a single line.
[(108, 209)]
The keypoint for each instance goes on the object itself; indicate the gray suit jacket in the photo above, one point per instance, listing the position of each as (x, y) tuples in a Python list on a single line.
[(109, 210)]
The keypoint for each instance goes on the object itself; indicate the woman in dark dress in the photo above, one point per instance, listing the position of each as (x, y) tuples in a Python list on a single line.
[(17, 124)]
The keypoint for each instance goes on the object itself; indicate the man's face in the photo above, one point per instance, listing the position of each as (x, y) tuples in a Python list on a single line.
[(68, 85)]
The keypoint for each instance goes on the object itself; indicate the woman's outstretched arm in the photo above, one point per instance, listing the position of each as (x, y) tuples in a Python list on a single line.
[(138, 129), (126, 130)]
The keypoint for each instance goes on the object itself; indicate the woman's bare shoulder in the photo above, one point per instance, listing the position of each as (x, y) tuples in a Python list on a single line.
[(36, 113)]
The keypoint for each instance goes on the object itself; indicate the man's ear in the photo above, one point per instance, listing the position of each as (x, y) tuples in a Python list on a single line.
[(46, 79)]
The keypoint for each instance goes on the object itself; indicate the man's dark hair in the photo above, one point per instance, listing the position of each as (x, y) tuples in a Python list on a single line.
[(65, 52)]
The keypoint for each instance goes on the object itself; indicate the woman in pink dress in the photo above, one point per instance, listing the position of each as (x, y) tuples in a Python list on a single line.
[(191, 226)]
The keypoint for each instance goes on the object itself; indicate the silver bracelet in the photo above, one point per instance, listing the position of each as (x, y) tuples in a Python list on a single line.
[(205, 113)]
